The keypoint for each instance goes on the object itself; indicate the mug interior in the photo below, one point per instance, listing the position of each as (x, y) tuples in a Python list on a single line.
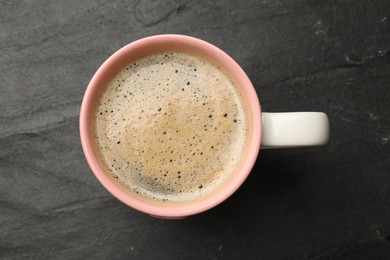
[(137, 50)]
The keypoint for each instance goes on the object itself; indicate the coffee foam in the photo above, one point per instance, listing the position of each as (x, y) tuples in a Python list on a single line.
[(171, 127)]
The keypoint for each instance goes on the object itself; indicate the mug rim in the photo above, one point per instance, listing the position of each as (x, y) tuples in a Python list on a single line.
[(193, 207)]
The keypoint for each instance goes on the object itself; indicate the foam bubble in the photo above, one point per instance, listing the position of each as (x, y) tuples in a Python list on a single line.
[(171, 126)]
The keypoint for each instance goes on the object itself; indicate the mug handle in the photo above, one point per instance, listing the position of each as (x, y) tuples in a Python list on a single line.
[(294, 129)]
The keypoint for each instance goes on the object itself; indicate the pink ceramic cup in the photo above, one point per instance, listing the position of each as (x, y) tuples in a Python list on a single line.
[(138, 49)]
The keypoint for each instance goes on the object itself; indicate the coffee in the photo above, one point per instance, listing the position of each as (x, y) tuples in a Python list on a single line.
[(171, 127)]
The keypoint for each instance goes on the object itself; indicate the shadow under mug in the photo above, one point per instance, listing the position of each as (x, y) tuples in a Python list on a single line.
[(271, 130)]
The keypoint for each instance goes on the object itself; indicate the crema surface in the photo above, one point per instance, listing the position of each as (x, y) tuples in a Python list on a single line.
[(171, 126)]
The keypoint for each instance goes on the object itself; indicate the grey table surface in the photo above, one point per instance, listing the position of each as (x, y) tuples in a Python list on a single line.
[(310, 203)]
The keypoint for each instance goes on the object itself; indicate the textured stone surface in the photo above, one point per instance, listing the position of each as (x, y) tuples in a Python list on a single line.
[(312, 203)]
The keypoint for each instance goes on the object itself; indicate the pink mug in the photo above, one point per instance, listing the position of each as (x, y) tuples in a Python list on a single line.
[(271, 130)]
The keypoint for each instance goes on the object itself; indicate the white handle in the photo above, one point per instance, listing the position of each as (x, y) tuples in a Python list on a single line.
[(283, 130)]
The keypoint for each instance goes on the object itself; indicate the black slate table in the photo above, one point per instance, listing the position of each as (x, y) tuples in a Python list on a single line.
[(329, 202)]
